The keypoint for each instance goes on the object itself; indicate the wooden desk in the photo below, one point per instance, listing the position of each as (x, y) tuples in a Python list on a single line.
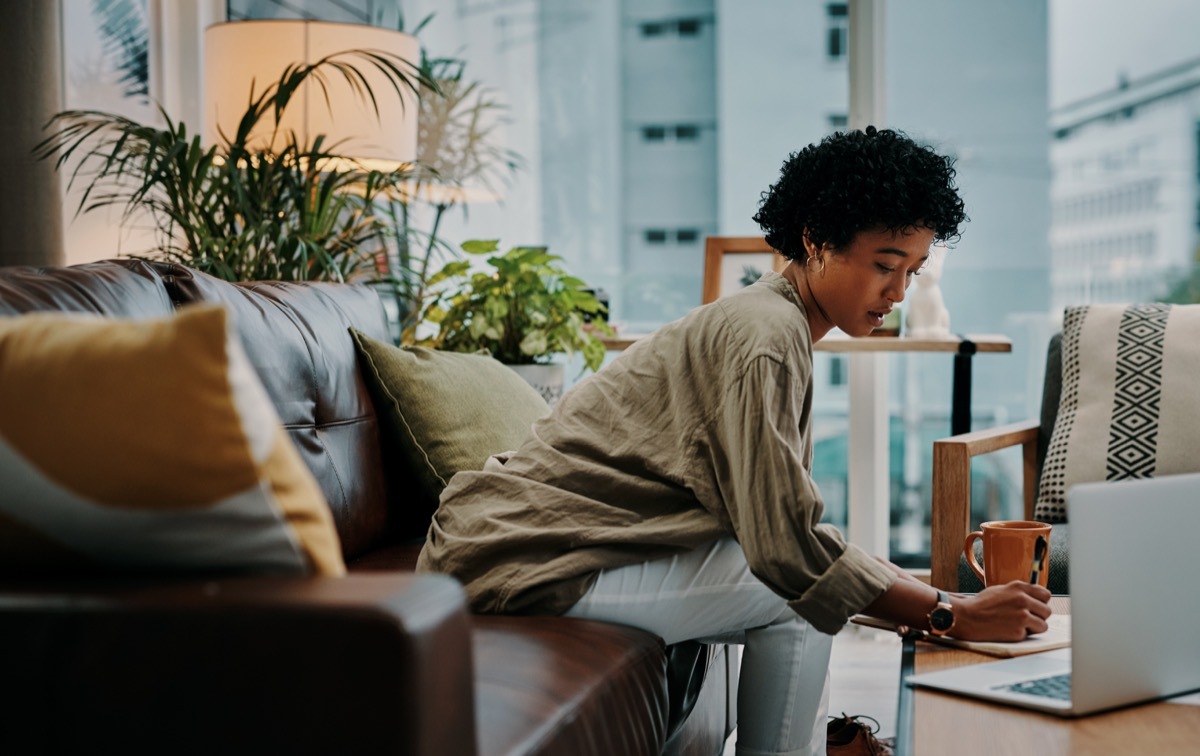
[(868, 499), (942, 723)]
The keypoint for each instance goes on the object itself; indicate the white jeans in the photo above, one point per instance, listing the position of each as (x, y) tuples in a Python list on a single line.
[(709, 595)]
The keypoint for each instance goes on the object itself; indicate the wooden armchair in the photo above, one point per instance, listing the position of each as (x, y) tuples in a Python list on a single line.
[(952, 484), (952, 489)]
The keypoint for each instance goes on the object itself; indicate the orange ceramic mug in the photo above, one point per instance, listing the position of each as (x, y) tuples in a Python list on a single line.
[(1008, 548)]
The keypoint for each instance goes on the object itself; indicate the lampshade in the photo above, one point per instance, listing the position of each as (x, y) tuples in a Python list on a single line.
[(239, 53)]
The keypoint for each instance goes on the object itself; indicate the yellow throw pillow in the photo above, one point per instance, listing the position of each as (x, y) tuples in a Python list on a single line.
[(149, 445)]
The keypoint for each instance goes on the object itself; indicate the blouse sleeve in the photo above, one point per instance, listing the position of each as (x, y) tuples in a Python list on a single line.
[(774, 506)]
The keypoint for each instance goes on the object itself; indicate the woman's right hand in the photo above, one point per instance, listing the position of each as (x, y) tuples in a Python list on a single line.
[(1008, 612)]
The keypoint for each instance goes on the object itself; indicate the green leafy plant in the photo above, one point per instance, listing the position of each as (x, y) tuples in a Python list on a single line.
[(524, 309), (242, 209)]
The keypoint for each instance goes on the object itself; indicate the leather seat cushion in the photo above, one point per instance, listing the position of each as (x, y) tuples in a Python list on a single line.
[(557, 685), (396, 556)]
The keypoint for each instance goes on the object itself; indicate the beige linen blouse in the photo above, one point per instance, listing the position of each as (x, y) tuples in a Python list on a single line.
[(699, 431)]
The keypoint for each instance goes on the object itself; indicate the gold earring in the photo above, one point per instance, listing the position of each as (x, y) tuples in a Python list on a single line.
[(808, 264)]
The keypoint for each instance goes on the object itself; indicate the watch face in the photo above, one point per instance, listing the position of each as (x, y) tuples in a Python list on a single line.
[(941, 619)]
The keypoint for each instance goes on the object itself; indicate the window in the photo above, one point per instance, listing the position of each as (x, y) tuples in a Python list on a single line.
[(838, 121), (687, 235), (684, 27), (680, 132), (656, 236), (654, 133), (838, 35)]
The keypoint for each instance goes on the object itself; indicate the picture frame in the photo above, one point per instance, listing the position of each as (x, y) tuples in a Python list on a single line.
[(111, 61), (111, 57), (725, 274)]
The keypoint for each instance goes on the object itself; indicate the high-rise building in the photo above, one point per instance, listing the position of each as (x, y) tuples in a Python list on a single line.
[(1125, 199)]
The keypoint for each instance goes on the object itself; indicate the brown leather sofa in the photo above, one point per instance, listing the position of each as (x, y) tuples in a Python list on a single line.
[(383, 661)]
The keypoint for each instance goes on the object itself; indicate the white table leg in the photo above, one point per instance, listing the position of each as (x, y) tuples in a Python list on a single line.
[(867, 488)]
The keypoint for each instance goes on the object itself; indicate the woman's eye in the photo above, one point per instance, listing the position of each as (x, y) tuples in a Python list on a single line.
[(885, 269)]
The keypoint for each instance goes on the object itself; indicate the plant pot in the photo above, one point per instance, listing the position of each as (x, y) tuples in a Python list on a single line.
[(547, 379)]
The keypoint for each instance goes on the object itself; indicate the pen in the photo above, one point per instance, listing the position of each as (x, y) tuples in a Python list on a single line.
[(1039, 556)]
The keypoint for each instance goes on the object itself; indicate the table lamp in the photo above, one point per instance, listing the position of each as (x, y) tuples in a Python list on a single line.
[(242, 54)]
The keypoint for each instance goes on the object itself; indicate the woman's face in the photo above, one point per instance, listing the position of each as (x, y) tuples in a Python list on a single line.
[(861, 283)]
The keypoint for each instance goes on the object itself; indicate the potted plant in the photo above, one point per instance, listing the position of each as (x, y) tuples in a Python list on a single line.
[(233, 209), (523, 310)]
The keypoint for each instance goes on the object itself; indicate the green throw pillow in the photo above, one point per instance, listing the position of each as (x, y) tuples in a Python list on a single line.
[(446, 411)]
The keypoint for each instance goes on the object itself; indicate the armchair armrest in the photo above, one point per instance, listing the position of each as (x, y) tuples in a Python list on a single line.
[(377, 663), (952, 489)]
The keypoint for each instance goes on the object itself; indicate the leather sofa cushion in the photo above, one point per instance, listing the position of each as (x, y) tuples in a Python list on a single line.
[(298, 339), (551, 685), (392, 557), (126, 288)]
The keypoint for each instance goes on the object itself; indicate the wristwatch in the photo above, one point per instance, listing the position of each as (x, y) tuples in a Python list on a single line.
[(941, 619)]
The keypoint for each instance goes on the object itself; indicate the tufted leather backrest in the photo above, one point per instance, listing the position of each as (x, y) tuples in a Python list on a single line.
[(129, 288), (295, 335)]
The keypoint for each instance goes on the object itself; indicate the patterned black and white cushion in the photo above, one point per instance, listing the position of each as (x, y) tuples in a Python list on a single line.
[(1130, 405)]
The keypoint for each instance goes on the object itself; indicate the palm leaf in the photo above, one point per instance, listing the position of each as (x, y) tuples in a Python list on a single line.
[(238, 211)]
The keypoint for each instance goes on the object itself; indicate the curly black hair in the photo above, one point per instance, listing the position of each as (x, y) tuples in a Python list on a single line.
[(856, 181)]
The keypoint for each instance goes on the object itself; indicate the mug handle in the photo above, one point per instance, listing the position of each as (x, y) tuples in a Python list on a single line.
[(969, 551)]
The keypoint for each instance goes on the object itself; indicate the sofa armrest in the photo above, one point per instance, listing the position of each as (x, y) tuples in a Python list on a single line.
[(376, 663), (952, 489)]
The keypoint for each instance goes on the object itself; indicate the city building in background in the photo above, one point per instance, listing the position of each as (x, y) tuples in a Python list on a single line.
[(1125, 199)]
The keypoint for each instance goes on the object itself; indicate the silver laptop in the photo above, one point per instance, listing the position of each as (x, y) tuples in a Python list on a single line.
[(1135, 608)]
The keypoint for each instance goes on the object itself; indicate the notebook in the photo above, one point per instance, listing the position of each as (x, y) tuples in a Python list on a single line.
[(1134, 608), (1057, 636)]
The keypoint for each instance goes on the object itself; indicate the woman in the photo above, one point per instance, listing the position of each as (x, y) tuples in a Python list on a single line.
[(672, 490)]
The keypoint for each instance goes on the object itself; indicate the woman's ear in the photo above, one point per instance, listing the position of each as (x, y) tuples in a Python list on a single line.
[(810, 249)]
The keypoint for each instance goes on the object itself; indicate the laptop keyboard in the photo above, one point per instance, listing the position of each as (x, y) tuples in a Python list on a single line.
[(1058, 686)]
